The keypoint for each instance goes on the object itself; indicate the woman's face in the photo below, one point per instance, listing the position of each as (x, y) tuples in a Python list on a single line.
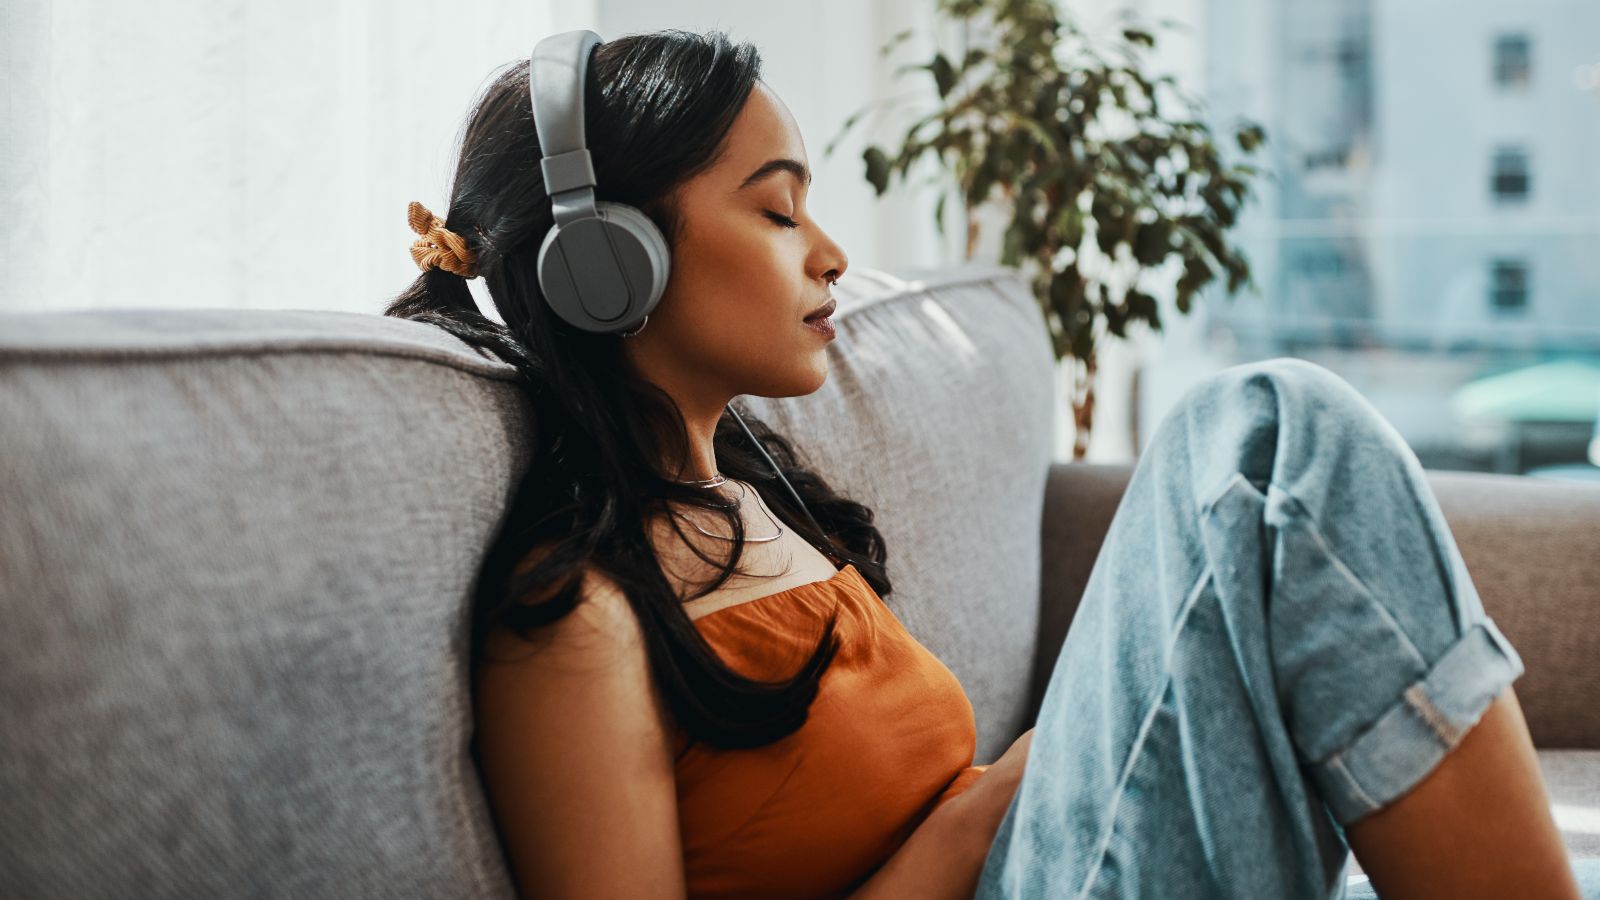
[(730, 321)]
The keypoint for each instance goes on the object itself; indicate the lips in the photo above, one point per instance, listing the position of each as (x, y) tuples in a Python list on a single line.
[(822, 311)]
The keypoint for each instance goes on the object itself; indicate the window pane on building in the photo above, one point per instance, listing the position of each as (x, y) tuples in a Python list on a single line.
[(1512, 60), (1509, 284), (1510, 180)]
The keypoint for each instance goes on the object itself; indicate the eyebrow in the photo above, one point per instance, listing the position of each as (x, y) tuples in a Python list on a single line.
[(772, 166)]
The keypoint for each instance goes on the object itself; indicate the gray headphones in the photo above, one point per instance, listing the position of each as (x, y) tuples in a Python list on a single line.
[(604, 266)]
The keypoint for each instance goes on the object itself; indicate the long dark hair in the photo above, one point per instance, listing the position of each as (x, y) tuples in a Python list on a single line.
[(658, 108)]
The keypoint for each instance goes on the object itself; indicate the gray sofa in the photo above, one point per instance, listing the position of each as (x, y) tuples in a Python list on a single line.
[(237, 549)]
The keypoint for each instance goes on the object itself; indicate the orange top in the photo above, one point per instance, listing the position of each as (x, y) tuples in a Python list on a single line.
[(889, 738)]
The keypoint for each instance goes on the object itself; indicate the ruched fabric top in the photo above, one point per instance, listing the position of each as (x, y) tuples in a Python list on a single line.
[(889, 737)]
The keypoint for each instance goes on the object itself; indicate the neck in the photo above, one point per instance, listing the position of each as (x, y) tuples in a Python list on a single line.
[(700, 401)]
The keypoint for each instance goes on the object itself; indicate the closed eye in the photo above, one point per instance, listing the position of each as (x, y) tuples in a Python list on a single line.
[(783, 220)]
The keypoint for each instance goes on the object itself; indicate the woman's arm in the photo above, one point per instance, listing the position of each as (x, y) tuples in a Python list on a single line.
[(942, 858), (945, 854)]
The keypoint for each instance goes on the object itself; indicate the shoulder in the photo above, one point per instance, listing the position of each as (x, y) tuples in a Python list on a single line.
[(603, 621), (577, 753)]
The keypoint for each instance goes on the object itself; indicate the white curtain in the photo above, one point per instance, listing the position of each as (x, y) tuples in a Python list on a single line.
[(230, 154)]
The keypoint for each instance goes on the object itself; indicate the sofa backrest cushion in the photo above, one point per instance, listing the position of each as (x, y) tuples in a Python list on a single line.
[(238, 550), (234, 566)]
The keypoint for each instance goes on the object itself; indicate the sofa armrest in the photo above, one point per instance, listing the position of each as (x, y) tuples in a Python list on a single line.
[(1530, 544)]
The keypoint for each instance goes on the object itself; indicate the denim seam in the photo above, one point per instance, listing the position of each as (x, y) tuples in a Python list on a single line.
[(1431, 715), (1222, 491), (1144, 730), (1301, 514), (1336, 761)]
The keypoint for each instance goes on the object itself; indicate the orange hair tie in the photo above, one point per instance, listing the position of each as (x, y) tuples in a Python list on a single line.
[(438, 247)]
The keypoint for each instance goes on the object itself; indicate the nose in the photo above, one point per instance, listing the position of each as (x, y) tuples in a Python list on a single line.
[(841, 262)]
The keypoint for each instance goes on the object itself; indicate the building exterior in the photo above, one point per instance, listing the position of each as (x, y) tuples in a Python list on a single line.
[(1435, 208)]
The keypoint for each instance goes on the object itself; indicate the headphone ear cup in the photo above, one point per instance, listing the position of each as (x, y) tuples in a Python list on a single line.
[(604, 272), (658, 258)]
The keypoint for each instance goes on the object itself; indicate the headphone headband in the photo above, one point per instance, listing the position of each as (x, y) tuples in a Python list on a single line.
[(557, 73)]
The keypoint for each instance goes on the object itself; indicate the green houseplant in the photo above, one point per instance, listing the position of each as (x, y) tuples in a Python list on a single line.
[(1103, 189)]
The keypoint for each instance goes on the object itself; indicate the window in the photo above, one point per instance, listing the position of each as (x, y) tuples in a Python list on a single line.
[(1321, 263), (1336, 158), (1350, 55), (1508, 284), (1512, 60), (1510, 178)]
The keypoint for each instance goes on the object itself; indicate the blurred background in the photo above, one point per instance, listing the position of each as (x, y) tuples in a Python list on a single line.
[(1430, 230)]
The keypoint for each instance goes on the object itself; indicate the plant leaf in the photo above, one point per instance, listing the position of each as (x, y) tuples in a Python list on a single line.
[(893, 41), (1250, 137), (877, 168), (944, 75)]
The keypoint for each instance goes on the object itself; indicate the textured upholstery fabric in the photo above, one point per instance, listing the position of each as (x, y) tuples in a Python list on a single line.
[(233, 568), (1572, 779)]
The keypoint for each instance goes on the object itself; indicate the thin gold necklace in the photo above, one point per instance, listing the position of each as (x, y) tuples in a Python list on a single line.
[(718, 481)]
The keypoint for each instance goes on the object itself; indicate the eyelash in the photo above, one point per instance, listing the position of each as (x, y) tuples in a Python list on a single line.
[(783, 220)]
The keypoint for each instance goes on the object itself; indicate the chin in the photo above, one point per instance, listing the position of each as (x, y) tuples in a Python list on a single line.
[(819, 383), (821, 376), (802, 382)]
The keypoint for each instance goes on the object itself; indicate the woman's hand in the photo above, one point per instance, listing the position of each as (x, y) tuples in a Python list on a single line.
[(1007, 770), (986, 801), (945, 854)]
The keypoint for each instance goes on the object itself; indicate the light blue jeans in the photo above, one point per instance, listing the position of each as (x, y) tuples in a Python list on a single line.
[(1278, 637)]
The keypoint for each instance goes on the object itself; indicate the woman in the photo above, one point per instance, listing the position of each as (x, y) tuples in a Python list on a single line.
[(646, 728)]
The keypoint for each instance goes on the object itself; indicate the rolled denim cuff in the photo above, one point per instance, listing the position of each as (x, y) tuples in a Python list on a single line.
[(1405, 742)]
